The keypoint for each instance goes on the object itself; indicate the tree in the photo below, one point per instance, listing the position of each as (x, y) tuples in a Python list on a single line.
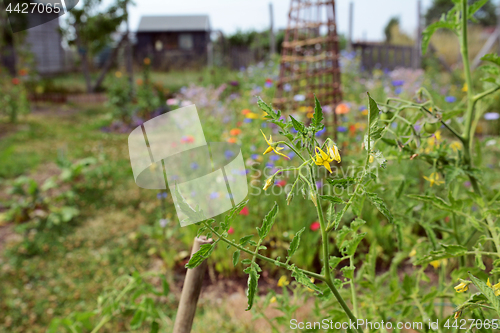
[(394, 21), (485, 16), (91, 29)]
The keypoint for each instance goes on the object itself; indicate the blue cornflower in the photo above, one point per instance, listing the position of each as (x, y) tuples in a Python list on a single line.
[(398, 83), (342, 129), (194, 165), (228, 154), (450, 99), (321, 132)]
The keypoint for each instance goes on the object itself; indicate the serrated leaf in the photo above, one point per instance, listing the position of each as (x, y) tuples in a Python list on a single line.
[(430, 30), (381, 206), (348, 272), (479, 261), (373, 112), (352, 244), (331, 199), (303, 279), (236, 257), (334, 262), (299, 126), (294, 245), (268, 222), (268, 110), (486, 291), (474, 7), (194, 215), (244, 240), (200, 255), (343, 182), (455, 250), (318, 115), (400, 189), (253, 279)]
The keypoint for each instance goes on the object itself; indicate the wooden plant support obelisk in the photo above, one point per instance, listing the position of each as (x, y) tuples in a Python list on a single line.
[(310, 59), (190, 292)]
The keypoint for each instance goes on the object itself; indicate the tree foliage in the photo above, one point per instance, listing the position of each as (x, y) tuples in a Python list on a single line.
[(485, 16)]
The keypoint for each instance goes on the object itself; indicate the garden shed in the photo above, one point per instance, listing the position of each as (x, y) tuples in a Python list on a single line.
[(44, 42), (172, 41)]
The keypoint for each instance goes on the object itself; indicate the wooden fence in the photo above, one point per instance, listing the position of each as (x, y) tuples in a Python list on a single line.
[(386, 56)]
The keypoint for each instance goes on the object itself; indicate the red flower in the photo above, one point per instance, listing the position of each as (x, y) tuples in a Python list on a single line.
[(230, 231), (281, 183), (15, 81), (244, 211), (314, 226)]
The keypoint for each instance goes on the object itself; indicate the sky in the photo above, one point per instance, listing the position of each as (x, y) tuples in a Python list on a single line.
[(370, 16)]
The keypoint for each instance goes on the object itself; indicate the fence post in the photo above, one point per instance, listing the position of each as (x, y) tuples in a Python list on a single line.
[(190, 291), (272, 46), (349, 33)]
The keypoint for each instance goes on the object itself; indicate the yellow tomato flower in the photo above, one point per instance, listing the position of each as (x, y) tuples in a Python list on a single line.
[(273, 299), (413, 252), (283, 281), (272, 146), (437, 263), (496, 287), (456, 146), (118, 74), (251, 115), (434, 179), (462, 287), (269, 182), (465, 88), (324, 159), (372, 158)]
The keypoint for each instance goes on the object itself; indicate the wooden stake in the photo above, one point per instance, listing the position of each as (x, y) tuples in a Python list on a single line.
[(190, 291)]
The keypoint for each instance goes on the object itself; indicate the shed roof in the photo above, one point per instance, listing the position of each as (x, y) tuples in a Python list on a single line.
[(174, 23)]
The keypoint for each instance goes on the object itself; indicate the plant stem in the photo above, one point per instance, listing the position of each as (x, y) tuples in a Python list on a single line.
[(353, 290), (101, 323), (326, 255), (260, 256)]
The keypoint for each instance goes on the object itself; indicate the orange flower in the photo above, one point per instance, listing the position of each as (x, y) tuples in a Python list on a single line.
[(15, 81), (235, 132), (231, 140), (147, 61), (139, 82), (342, 108), (245, 111), (23, 72)]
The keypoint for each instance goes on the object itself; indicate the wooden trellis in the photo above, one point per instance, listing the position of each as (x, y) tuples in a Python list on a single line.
[(310, 58)]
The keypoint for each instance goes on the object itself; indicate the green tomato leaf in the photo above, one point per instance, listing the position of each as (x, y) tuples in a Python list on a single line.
[(331, 198), (303, 279), (202, 254), (486, 291), (244, 240), (317, 120), (381, 206), (294, 245), (253, 279), (269, 110), (236, 257), (268, 222), (299, 126)]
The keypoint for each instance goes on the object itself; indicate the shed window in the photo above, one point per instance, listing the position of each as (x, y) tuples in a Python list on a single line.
[(186, 41)]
